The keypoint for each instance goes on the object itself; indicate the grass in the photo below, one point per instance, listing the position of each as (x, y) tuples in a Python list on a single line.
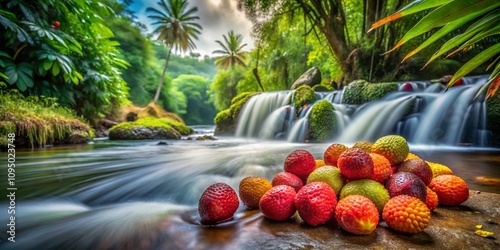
[(39, 119)]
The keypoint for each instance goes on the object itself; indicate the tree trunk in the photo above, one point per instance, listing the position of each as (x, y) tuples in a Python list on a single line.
[(160, 83)]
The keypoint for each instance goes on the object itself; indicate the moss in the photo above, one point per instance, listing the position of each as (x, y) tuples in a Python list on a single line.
[(37, 121), (304, 95), (225, 120), (375, 91), (322, 121), (493, 117), (353, 92), (151, 128)]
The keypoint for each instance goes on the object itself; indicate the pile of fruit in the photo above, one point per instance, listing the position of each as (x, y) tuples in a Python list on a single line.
[(354, 187)]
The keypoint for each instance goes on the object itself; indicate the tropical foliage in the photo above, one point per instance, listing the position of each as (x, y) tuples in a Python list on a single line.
[(483, 17), (176, 28), (232, 52), (62, 49)]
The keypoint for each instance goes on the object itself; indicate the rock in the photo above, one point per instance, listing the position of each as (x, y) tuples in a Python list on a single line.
[(77, 137), (131, 116), (143, 133), (322, 121), (311, 77), (206, 138)]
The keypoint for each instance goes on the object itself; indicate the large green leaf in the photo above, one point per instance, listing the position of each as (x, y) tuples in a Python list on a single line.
[(20, 74), (475, 62), (483, 23), (413, 7), (495, 30), (445, 14)]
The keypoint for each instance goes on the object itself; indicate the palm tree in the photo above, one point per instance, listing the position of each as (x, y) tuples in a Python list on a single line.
[(231, 53), (176, 27)]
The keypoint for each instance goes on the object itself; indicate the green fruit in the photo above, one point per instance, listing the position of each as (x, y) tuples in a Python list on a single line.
[(393, 147), (329, 175), (371, 189)]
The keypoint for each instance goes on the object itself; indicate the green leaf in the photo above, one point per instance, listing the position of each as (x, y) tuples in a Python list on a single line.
[(447, 13), (56, 69), (495, 30), (47, 64), (413, 7), (20, 74), (475, 62), (473, 29)]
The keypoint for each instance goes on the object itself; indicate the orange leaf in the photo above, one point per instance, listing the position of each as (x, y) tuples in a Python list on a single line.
[(492, 89), (385, 20)]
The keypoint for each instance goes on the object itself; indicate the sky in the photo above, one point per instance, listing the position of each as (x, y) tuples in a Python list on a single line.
[(217, 17)]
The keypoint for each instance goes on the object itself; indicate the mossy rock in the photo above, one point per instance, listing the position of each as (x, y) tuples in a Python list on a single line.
[(149, 128), (353, 92), (322, 121), (376, 91), (322, 88), (225, 120), (304, 95), (493, 118)]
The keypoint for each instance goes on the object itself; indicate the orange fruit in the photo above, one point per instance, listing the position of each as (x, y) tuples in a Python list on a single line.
[(252, 188), (406, 214), (432, 200), (411, 156), (332, 153), (450, 189), (354, 163), (381, 168), (320, 163)]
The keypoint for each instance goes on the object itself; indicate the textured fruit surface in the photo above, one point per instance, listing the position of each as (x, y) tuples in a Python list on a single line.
[(381, 168), (438, 169), (357, 214), (300, 163), (412, 156), (418, 167), (406, 183), (332, 153), (329, 175), (320, 163), (393, 147), (354, 163), (218, 203), (278, 203), (251, 189), (406, 214), (365, 145), (316, 203), (285, 178), (432, 200), (450, 189), (370, 189)]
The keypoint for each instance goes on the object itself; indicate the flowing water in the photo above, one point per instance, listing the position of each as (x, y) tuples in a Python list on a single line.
[(144, 195)]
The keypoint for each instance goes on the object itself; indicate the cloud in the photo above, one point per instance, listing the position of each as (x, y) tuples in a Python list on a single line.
[(217, 17)]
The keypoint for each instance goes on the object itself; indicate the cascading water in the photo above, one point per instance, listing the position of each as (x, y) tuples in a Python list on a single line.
[(421, 111)]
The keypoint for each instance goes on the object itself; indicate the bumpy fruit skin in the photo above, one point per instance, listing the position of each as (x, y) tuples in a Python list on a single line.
[(418, 167), (370, 189), (393, 147), (381, 168), (320, 163), (316, 203), (406, 183), (365, 145), (278, 203), (333, 152), (450, 189), (438, 169), (412, 156), (354, 163), (329, 175), (357, 214), (285, 178), (218, 203), (300, 163), (251, 189), (406, 214), (432, 200)]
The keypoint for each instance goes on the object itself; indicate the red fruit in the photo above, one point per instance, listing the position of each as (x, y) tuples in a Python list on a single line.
[(381, 168), (57, 24), (355, 163), (406, 183), (418, 167), (406, 214), (218, 203), (459, 82), (284, 178), (450, 189), (300, 163), (316, 203), (357, 214), (332, 153), (432, 199), (278, 203), (407, 87)]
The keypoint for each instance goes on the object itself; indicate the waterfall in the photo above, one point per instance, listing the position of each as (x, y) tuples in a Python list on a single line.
[(422, 112)]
